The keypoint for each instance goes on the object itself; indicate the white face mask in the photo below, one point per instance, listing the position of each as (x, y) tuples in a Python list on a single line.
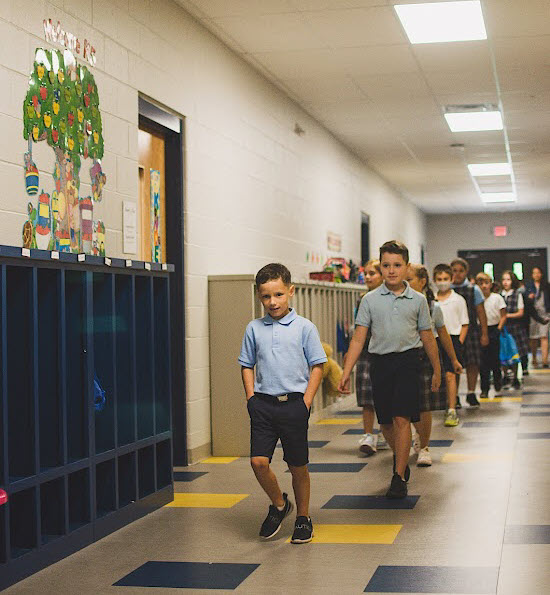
[(443, 286)]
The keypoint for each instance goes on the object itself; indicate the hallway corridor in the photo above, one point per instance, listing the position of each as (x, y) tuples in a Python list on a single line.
[(477, 521)]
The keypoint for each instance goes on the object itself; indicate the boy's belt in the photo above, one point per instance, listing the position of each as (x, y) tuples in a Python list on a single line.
[(282, 398)]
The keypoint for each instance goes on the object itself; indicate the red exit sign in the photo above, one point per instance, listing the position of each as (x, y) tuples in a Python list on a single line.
[(500, 231)]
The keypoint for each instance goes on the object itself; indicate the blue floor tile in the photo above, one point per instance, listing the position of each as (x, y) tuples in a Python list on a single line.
[(534, 436), (188, 575), (371, 503), (345, 413), (490, 424), (358, 432), (312, 443), (535, 413), (536, 392), (188, 475), (433, 579), (531, 406), (441, 443), (527, 534), (335, 467)]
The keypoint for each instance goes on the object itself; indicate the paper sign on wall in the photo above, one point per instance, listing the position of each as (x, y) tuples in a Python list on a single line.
[(334, 241), (129, 226)]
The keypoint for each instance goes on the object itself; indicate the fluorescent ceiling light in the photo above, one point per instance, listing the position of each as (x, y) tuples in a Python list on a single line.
[(490, 169), (489, 197), (474, 121), (442, 21)]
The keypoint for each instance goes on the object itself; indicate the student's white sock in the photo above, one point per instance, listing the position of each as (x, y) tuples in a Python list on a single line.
[(281, 508), (451, 409)]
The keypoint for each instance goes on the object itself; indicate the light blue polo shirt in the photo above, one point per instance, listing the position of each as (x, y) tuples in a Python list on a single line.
[(394, 320), (478, 294), (282, 351), (437, 318)]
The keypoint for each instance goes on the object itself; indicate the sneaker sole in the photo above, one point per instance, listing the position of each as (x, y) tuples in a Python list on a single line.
[(368, 450), (423, 464), (451, 425), (297, 541), (396, 496), (290, 509)]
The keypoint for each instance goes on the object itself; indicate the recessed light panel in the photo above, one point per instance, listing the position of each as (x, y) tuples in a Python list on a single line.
[(474, 121), (490, 169), (433, 22), (492, 197)]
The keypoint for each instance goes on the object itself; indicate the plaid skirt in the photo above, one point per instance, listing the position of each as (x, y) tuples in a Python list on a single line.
[(471, 350), (430, 401), (363, 384), (521, 337)]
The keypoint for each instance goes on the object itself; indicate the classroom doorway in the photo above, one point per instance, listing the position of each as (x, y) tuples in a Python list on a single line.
[(161, 217), (365, 239), (494, 262)]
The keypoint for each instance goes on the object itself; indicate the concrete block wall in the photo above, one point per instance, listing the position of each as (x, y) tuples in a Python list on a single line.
[(255, 191)]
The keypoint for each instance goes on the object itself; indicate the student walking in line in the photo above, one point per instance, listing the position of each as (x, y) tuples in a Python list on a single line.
[(399, 320), (537, 291), (514, 313), (419, 280), (282, 366), (478, 335), (495, 308), (369, 442), (455, 315)]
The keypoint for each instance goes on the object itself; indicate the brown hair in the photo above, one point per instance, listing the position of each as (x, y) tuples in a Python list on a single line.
[(513, 277), (421, 272), (374, 263), (442, 268), (462, 262), (272, 272), (484, 276), (395, 247)]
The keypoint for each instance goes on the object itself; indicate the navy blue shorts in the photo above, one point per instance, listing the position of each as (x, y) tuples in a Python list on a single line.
[(271, 420)]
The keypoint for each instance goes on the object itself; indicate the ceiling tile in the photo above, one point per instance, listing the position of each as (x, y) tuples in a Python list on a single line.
[(325, 90), (223, 8), (453, 57), (407, 85), (309, 5), (448, 83), (296, 64), (514, 18), (365, 61), (357, 27)]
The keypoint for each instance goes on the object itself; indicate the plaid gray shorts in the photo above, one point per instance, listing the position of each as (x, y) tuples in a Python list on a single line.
[(471, 351), (363, 385), (430, 401)]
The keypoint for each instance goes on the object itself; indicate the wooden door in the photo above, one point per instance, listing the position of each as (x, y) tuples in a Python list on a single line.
[(151, 155)]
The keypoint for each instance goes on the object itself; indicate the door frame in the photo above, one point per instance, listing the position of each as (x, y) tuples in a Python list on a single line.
[(501, 251), (172, 127)]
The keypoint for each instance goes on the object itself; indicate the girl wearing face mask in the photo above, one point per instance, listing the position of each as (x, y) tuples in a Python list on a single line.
[(455, 315), (369, 442), (419, 280), (514, 313)]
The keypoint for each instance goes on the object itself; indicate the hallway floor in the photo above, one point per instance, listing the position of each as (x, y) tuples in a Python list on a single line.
[(477, 521)]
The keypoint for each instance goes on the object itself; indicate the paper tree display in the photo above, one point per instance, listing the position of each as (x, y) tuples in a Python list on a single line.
[(62, 108)]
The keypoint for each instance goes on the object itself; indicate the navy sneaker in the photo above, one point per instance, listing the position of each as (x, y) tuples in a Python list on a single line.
[(407, 470), (472, 400), (303, 530), (397, 489), (275, 517)]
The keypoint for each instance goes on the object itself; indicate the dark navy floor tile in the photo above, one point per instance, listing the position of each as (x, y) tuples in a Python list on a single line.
[(532, 406), (536, 392), (534, 436), (312, 443), (441, 443), (188, 475), (490, 424), (335, 467), (188, 575), (347, 412), (371, 503), (433, 579), (359, 432), (527, 534), (535, 414)]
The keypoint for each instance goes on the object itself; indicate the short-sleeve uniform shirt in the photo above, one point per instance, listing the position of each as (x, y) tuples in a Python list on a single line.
[(394, 320), (455, 312), (437, 318), (282, 352), (493, 305)]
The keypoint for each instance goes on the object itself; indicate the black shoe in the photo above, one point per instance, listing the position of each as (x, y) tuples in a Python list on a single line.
[(398, 488), (303, 530), (458, 404), (275, 517), (516, 384), (472, 400), (498, 387), (526, 372), (407, 470), (545, 365)]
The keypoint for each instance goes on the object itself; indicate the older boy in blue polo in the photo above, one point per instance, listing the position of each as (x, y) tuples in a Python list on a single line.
[(399, 320), (282, 366)]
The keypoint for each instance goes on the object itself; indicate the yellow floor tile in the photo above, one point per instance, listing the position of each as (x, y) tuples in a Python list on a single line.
[(456, 457), (219, 460), (541, 371), (374, 534), (206, 500), (336, 421), (503, 400)]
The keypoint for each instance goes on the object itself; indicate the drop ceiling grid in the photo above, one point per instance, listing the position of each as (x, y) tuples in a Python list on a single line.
[(333, 55)]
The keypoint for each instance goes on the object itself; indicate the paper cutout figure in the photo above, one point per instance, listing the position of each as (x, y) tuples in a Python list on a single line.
[(62, 107), (43, 223), (155, 216)]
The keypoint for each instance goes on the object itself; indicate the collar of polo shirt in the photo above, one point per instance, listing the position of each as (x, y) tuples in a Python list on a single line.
[(285, 320), (407, 293)]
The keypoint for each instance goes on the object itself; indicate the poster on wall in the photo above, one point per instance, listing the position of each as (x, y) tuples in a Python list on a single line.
[(61, 108), (334, 242), (155, 216), (129, 225)]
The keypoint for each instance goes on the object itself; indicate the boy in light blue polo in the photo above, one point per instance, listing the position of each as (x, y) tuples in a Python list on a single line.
[(399, 320), (282, 366)]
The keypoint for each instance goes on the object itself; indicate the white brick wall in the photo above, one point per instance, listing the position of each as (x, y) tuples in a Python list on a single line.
[(255, 191)]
